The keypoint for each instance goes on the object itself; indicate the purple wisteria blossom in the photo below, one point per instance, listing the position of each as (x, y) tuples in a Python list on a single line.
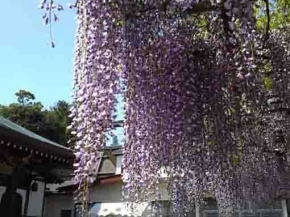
[(207, 106)]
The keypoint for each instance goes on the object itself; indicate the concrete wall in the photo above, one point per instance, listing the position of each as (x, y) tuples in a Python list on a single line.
[(35, 199)]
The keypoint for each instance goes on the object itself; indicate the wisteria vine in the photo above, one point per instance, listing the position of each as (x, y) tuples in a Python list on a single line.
[(206, 98)]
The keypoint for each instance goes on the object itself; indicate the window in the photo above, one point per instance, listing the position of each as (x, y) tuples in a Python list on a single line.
[(116, 137), (65, 213)]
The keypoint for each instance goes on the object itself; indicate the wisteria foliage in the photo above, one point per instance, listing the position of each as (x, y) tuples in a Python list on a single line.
[(206, 106)]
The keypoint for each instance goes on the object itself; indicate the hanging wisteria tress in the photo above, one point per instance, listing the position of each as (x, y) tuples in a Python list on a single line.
[(206, 97)]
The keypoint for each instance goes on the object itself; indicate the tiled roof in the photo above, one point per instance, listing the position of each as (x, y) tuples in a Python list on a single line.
[(13, 133)]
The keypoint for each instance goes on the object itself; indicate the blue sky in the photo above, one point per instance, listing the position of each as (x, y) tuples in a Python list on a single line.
[(26, 59)]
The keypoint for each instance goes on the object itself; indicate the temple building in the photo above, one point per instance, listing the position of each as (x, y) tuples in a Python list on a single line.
[(28, 163)]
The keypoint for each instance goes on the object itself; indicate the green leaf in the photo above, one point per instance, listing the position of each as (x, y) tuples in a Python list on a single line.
[(236, 159), (268, 83)]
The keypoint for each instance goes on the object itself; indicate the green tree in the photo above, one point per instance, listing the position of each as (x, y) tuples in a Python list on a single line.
[(57, 120), (24, 97), (50, 123)]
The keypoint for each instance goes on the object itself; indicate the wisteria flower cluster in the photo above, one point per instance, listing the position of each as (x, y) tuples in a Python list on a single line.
[(96, 78), (207, 105)]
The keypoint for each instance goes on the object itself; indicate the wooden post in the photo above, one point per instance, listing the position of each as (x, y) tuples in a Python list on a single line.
[(284, 209), (197, 210), (26, 204), (11, 201), (43, 201)]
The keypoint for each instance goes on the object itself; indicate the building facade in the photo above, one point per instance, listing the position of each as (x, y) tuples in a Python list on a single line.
[(28, 162), (105, 198)]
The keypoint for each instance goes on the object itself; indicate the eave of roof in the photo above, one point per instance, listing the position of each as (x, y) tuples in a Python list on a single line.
[(110, 179), (115, 150), (13, 133)]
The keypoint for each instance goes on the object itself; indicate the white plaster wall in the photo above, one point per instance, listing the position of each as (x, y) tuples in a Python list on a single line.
[(113, 193), (35, 199), (106, 193), (102, 193), (119, 164), (54, 187), (55, 203)]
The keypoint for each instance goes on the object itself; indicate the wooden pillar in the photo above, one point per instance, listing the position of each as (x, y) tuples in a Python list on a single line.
[(11, 201), (43, 201), (197, 209), (26, 204), (284, 209)]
